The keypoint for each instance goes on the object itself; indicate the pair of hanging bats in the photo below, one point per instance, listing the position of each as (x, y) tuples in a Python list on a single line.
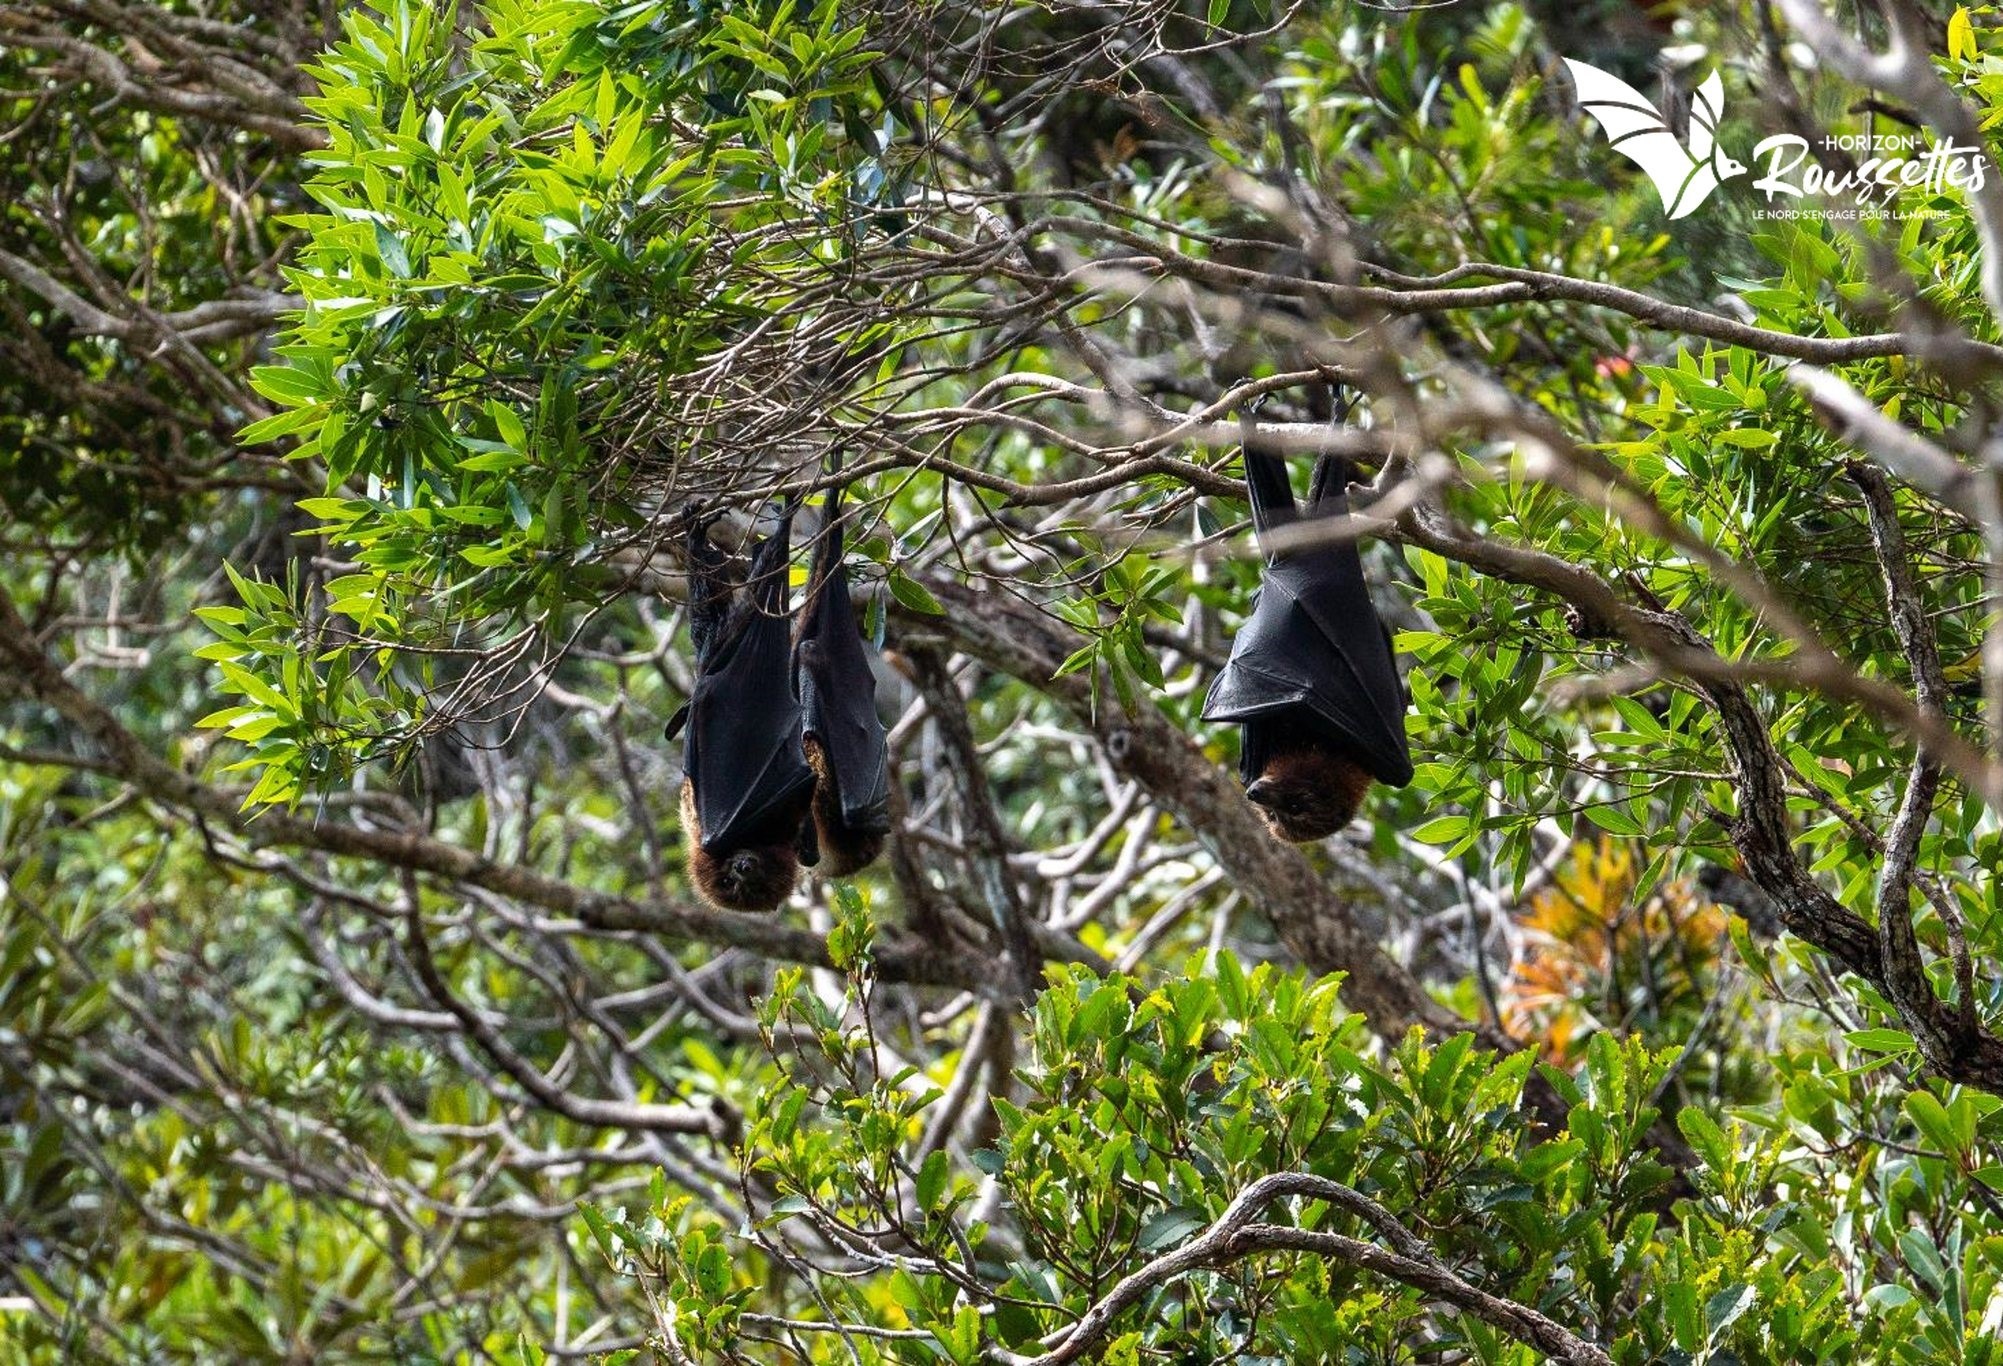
[(786, 763)]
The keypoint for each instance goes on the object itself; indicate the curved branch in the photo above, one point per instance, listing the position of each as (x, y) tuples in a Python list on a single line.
[(1443, 293), (898, 959), (215, 321), (677, 1119), (1905, 970), (1237, 1235), (1761, 831)]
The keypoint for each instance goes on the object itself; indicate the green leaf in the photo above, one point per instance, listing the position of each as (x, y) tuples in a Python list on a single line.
[(1704, 1136), (1168, 1227), (286, 384), (601, 1231), (1961, 37), (493, 462), (395, 259), (1748, 438), (1614, 821), (932, 1178), (518, 506), (1880, 1040), (1679, 1300), (281, 424), (1441, 830), (1930, 1117), (1924, 1259), (1724, 1308), (914, 594), (510, 426)]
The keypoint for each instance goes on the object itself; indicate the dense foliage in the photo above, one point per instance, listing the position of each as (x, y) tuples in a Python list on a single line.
[(357, 366)]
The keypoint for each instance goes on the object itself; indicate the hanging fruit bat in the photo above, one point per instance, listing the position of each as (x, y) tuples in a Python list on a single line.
[(843, 739), (1311, 681), (746, 786)]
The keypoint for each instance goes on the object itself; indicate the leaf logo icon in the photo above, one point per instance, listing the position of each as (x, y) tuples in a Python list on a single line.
[(1684, 177)]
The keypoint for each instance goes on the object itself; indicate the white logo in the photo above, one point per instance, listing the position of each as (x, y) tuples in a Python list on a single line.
[(1684, 177), (1943, 166)]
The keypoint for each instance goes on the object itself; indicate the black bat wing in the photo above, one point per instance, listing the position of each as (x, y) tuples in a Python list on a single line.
[(838, 688), (1271, 496), (743, 753), (1315, 643)]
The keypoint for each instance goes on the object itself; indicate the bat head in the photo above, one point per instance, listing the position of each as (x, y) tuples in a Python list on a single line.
[(845, 850), (1308, 793), (756, 877)]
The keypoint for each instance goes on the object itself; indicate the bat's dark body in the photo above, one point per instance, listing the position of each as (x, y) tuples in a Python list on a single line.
[(746, 786), (1311, 680), (844, 739)]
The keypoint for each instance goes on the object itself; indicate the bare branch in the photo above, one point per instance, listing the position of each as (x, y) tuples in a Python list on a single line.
[(1858, 422), (987, 842), (1904, 970), (1236, 1235)]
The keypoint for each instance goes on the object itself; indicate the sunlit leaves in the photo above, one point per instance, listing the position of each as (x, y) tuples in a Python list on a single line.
[(1146, 1108), (520, 233), (1136, 592)]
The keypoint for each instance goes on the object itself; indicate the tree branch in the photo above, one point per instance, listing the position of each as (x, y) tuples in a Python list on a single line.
[(898, 959), (680, 1119), (987, 842), (1236, 1235), (1761, 830), (1905, 971)]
